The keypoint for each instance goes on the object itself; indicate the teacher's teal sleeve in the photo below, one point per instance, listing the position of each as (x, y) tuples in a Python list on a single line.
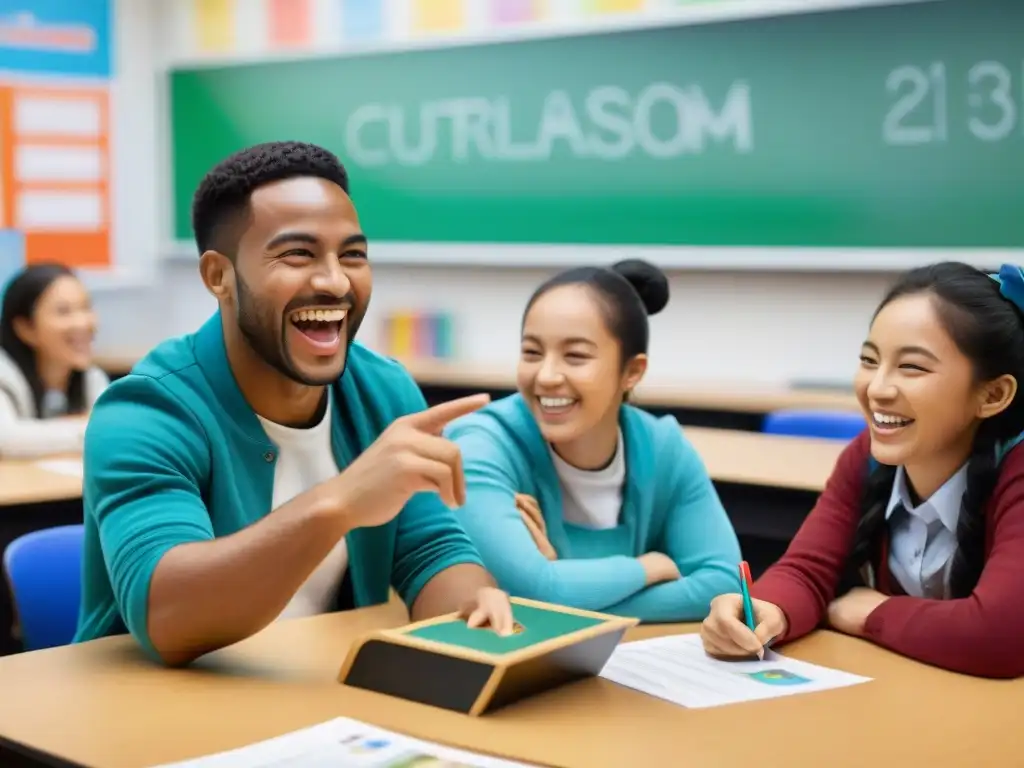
[(493, 523), (430, 538), (700, 539), (144, 459)]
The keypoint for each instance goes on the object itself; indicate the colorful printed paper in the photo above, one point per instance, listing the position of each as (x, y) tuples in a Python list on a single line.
[(290, 23), (362, 19), (677, 669), (438, 15), (214, 22)]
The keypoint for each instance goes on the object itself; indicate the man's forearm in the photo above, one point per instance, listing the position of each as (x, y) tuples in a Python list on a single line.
[(449, 590), (210, 594)]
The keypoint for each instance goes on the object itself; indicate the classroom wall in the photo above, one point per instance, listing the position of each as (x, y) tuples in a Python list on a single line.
[(744, 325)]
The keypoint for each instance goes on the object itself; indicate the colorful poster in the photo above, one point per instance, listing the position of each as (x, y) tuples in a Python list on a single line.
[(214, 22), (438, 15), (70, 38), (362, 19), (12, 255), (617, 6), (517, 11), (290, 23), (54, 133), (56, 190)]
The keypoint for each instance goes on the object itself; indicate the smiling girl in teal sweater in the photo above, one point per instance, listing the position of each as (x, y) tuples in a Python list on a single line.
[(577, 498)]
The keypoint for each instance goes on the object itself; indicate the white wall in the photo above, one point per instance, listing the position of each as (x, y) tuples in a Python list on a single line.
[(747, 326)]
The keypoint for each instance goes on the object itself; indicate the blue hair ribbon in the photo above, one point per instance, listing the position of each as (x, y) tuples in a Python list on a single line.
[(1011, 287), (1011, 284)]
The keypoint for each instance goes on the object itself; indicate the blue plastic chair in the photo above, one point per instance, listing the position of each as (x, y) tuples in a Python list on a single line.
[(44, 569), (832, 425)]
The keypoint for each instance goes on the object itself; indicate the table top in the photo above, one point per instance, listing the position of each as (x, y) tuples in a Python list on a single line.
[(29, 482), (100, 705), (734, 397), (751, 458)]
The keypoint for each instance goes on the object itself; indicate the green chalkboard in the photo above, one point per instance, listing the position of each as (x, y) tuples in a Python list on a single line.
[(889, 127), (538, 625)]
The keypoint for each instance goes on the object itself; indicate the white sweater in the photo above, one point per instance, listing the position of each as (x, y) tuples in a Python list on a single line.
[(22, 435)]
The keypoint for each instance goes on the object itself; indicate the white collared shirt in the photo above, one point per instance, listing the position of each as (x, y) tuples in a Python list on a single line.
[(592, 498), (923, 539)]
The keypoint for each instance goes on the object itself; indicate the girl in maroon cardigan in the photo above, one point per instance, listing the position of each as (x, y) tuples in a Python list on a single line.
[(917, 542)]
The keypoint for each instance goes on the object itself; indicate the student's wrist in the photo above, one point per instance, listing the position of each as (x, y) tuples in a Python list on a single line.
[(329, 510)]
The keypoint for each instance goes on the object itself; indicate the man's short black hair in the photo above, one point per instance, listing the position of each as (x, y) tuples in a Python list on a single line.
[(222, 198)]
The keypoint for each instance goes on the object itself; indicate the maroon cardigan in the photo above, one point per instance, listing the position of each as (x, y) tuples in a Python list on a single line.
[(980, 635)]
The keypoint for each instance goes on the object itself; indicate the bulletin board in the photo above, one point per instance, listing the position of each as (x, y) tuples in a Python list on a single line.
[(55, 150)]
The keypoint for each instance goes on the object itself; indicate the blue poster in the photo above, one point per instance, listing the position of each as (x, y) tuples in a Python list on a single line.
[(69, 38), (12, 255)]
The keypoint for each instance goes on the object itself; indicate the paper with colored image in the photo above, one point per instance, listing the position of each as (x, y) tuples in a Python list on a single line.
[(676, 668), (345, 743)]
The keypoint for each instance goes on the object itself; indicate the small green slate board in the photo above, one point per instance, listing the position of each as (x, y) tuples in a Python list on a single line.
[(538, 626)]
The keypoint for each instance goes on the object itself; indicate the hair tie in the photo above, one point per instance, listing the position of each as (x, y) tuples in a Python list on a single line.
[(1011, 285)]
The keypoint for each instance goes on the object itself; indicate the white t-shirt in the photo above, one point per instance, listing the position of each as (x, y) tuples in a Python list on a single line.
[(305, 459), (592, 498)]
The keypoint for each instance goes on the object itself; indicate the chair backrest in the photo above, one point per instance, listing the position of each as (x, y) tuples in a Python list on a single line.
[(44, 570), (832, 425)]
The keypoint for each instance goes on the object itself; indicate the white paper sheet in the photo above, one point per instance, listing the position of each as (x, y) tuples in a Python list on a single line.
[(345, 743), (676, 668), (72, 467)]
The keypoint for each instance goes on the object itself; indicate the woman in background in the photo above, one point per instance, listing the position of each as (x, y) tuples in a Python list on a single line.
[(577, 498), (47, 381), (924, 512)]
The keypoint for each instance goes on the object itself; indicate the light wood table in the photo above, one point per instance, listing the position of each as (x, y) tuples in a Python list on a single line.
[(100, 706), (776, 461), (732, 456), (29, 482), (725, 396)]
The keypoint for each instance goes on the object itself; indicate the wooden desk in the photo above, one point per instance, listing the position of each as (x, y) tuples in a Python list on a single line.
[(731, 456), (25, 482), (730, 397), (101, 706), (775, 461)]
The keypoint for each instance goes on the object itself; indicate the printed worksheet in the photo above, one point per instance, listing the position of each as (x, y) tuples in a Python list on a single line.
[(345, 743), (676, 668)]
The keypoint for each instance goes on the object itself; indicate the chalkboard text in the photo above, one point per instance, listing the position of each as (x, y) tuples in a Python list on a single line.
[(923, 98), (608, 123)]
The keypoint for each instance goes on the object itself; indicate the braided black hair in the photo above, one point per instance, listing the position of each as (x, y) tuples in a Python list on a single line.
[(989, 330)]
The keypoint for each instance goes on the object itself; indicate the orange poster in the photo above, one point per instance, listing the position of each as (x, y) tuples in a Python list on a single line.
[(55, 172)]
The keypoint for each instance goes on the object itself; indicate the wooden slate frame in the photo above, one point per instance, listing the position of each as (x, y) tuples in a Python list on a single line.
[(474, 682)]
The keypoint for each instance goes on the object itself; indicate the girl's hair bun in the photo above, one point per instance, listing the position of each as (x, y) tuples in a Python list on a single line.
[(647, 280)]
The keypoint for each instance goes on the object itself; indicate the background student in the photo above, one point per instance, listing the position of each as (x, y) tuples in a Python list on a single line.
[(47, 380), (934, 532), (572, 495)]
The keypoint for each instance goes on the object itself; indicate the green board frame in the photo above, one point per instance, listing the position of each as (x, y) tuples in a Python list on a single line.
[(887, 128)]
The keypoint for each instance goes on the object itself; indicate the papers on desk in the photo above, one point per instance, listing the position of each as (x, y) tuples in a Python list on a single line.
[(676, 668), (72, 467), (344, 743)]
